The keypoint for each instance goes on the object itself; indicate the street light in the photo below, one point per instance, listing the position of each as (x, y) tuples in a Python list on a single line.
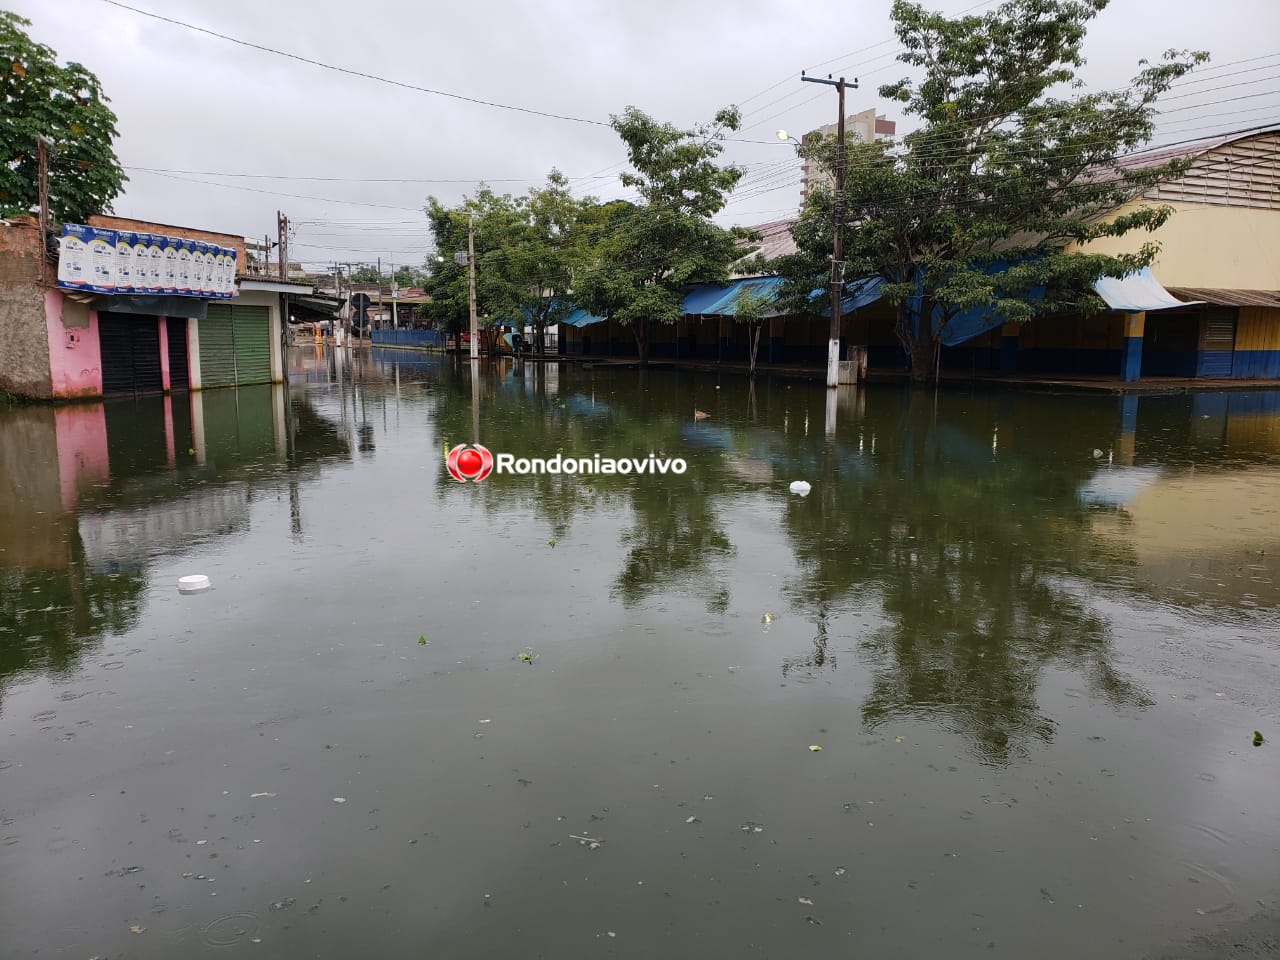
[(783, 137)]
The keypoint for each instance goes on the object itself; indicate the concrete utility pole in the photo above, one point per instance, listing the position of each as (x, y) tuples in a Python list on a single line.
[(282, 229), (837, 216), (471, 285)]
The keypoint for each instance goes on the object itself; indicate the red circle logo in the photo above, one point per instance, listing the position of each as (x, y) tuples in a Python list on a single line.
[(469, 462)]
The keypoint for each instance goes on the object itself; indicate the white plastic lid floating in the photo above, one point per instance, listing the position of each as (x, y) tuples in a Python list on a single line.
[(800, 487), (196, 583)]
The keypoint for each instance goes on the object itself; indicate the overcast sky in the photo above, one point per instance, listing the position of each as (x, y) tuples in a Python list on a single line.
[(201, 108)]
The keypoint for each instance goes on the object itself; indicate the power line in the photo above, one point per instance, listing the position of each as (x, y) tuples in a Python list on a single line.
[(355, 73)]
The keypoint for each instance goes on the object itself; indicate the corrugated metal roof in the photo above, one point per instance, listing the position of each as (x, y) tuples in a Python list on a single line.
[(1229, 297), (775, 239)]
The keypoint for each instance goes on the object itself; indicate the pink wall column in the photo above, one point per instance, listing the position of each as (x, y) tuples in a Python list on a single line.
[(164, 353), (75, 355), (170, 451)]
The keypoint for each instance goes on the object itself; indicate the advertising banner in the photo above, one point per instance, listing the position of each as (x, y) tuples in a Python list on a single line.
[(124, 262)]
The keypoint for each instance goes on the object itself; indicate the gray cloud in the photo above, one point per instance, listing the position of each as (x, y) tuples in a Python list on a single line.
[(192, 102)]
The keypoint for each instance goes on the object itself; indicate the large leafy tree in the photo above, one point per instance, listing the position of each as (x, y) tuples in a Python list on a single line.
[(527, 249), (38, 97), (651, 255), (1014, 160)]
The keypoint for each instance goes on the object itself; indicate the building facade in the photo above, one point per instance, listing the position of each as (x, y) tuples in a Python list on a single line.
[(66, 344)]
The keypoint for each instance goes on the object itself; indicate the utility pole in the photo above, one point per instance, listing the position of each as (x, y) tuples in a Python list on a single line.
[(282, 229), (837, 216), (471, 287), (43, 144)]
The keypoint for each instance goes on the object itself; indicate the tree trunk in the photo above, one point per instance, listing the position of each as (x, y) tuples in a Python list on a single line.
[(755, 347), (539, 337), (920, 342), (640, 329)]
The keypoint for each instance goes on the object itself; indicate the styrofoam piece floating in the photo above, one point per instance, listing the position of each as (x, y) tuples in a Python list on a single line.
[(196, 583), (800, 487)]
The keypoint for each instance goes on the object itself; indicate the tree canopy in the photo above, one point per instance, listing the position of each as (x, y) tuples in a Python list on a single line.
[(66, 105), (527, 251), (1014, 161), (643, 266)]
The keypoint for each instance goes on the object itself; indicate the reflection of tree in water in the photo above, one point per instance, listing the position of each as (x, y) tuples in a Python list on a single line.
[(50, 618), (676, 538), (966, 556), (675, 543)]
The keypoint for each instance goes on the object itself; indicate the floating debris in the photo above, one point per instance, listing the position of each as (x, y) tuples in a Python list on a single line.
[(750, 826), (255, 796), (424, 641), (801, 488), (1258, 738), (691, 820), (196, 583), (339, 799), (814, 748), (551, 543), (805, 900), (767, 619), (528, 655), (840, 871), (135, 928)]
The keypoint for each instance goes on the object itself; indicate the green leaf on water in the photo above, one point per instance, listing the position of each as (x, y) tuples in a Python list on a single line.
[(422, 640), (191, 451), (1258, 738), (551, 543)]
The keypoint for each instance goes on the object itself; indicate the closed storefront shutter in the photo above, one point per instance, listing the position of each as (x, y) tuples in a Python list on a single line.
[(179, 372), (117, 354), (253, 344), (217, 348), (130, 348), (146, 355), (1217, 342)]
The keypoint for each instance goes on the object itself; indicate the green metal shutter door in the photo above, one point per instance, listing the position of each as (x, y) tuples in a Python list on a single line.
[(217, 348), (253, 344)]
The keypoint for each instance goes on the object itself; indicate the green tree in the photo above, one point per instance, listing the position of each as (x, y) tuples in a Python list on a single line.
[(642, 268), (528, 251), (406, 277), (1013, 162), (66, 105), (366, 273)]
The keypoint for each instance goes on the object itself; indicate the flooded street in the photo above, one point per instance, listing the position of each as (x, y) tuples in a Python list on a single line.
[(575, 716)]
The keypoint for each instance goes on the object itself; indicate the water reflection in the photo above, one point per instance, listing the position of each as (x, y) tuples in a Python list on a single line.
[(956, 543), (92, 494), (970, 534)]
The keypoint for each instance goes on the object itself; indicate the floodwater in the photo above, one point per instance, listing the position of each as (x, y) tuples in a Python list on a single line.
[(1033, 636)]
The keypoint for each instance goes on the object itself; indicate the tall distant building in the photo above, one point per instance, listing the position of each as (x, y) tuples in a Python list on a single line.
[(864, 126)]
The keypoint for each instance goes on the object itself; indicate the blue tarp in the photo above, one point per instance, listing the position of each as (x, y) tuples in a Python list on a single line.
[(722, 301), (1136, 291), (580, 318)]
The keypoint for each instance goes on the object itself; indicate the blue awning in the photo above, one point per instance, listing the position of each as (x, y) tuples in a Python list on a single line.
[(721, 300), (580, 318), (857, 294)]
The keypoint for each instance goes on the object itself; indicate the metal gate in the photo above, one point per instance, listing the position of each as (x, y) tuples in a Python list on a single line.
[(217, 348), (179, 370), (130, 348), (1217, 342), (252, 327)]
